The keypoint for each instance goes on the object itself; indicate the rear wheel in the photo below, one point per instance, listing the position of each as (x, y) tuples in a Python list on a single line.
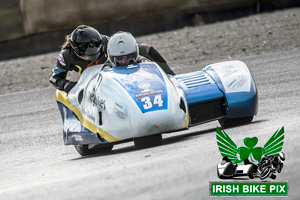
[(147, 141), (231, 122), (84, 150)]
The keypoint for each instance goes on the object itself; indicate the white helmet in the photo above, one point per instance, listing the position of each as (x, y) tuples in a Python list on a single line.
[(281, 156), (122, 44)]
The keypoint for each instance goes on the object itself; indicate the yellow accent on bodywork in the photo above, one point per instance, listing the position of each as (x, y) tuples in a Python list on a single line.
[(79, 69), (62, 97), (53, 72), (187, 120)]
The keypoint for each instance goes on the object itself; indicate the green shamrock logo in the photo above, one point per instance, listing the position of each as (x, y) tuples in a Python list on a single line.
[(228, 148), (249, 150)]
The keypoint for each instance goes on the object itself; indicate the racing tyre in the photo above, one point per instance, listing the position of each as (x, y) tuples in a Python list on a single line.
[(251, 176), (147, 141), (273, 176), (265, 173), (83, 150), (280, 168), (231, 122)]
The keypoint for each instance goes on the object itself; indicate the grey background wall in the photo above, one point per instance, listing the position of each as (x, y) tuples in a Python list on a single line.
[(37, 26)]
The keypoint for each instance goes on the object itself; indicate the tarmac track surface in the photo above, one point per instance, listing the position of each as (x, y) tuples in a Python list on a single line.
[(36, 165)]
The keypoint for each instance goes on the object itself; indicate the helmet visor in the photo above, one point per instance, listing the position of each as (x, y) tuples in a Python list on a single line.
[(126, 57), (92, 48), (121, 60), (91, 51)]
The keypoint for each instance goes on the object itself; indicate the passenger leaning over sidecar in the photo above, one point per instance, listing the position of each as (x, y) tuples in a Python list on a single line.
[(86, 47)]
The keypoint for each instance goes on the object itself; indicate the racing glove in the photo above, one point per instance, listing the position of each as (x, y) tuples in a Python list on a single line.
[(69, 85)]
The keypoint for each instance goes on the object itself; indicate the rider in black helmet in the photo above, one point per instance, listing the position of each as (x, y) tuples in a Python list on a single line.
[(86, 47), (87, 43)]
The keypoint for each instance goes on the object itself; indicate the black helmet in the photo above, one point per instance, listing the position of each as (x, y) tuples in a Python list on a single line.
[(86, 42)]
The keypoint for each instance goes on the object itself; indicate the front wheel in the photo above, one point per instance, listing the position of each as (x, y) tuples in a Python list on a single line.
[(231, 122), (265, 173), (84, 150), (147, 141)]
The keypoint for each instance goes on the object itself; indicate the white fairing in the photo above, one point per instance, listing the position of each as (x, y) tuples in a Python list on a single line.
[(241, 169), (108, 104), (244, 169), (221, 168), (234, 75)]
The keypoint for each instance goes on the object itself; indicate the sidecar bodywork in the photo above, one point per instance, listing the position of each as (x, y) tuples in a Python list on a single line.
[(138, 101)]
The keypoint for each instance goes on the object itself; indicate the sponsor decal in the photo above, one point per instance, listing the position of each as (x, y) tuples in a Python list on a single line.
[(76, 137), (120, 114), (234, 78), (148, 93), (250, 162), (61, 60), (144, 85), (146, 90), (120, 111), (96, 101), (87, 114)]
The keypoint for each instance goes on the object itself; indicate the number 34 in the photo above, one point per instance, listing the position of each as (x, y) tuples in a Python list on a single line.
[(148, 104)]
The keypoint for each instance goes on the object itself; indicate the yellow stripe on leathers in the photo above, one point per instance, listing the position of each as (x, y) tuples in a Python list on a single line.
[(79, 69), (62, 97)]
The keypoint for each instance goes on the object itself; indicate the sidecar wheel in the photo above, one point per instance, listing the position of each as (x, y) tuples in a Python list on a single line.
[(147, 141), (83, 150), (232, 122), (251, 176)]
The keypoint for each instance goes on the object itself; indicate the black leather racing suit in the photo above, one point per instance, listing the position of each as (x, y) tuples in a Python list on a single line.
[(67, 60)]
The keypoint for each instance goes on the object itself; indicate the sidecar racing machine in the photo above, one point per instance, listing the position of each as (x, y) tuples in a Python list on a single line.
[(140, 102), (229, 171)]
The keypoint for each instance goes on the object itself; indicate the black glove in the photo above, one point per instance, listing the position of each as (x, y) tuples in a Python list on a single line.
[(69, 85)]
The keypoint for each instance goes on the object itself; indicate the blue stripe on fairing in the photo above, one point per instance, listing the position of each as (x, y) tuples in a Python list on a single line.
[(240, 104), (132, 96), (165, 94), (199, 87)]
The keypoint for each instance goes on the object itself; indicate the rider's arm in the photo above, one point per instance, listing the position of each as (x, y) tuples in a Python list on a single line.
[(150, 53), (59, 73), (141, 59), (106, 65)]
